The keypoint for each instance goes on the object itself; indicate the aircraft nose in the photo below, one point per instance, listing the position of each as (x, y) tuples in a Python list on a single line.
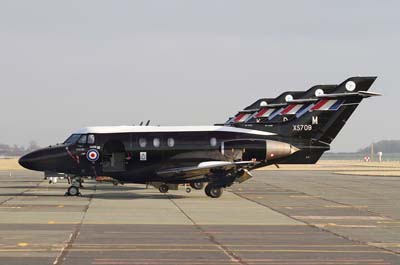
[(36, 160), (28, 161), (52, 158)]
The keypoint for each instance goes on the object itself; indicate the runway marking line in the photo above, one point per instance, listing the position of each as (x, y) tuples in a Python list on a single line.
[(301, 196), (209, 260), (388, 244), (216, 232), (219, 250), (231, 245), (277, 262), (346, 206), (350, 217), (388, 222), (282, 261), (346, 226), (196, 250), (177, 247), (251, 261)]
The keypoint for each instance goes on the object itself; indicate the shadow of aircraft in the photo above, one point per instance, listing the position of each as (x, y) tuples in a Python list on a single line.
[(106, 195), (58, 187)]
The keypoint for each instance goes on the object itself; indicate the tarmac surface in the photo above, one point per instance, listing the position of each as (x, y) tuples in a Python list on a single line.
[(279, 217)]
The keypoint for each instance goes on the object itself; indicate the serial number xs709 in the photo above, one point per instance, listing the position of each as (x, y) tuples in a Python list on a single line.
[(302, 127)]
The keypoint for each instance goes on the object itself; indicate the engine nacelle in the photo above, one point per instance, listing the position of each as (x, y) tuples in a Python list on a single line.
[(255, 149), (276, 149)]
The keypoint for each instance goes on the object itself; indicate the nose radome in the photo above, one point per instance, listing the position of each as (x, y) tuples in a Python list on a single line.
[(33, 161), (45, 159), (26, 161)]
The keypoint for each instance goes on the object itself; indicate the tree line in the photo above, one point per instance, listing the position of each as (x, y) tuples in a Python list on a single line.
[(385, 146), (15, 150)]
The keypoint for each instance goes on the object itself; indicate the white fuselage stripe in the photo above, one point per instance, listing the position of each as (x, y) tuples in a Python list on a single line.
[(144, 129)]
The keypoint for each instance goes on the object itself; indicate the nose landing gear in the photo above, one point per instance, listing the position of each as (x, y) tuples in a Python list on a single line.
[(73, 190)]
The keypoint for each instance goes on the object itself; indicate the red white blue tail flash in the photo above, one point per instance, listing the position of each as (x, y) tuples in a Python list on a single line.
[(328, 104)]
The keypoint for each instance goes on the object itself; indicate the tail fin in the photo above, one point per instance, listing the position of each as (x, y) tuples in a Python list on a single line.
[(317, 114)]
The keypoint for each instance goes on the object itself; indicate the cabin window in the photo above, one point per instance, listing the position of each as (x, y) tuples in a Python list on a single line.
[(171, 142), (213, 141), (90, 139), (142, 142), (83, 139), (156, 142)]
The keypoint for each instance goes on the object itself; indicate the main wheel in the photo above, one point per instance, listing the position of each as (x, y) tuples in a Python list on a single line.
[(73, 191), (163, 188), (197, 185), (213, 191)]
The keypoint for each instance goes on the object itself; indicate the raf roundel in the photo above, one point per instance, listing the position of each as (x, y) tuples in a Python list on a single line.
[(289, 97), (92, 155), (319, 92), (350, 86)]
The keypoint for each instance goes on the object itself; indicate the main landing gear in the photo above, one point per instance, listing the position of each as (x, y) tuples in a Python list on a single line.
[(163, 188), (197, 185), (213, 190), (193, 185)]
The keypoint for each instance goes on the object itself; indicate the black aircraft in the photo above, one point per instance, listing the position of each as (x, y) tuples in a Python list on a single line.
[(293, 128)]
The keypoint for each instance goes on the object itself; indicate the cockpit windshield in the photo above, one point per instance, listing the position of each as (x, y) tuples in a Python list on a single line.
[(72, 139)]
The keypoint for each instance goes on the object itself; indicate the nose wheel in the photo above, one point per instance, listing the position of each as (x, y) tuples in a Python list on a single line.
[(73, 191)]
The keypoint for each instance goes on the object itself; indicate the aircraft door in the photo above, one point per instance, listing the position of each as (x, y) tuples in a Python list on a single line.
[(114, 156)]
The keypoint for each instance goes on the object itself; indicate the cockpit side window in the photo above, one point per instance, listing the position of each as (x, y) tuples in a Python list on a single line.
[(91, 139), (83, 139), (72, 139)]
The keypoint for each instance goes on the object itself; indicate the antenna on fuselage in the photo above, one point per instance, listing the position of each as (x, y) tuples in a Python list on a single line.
[(147, 123), (141, 124)]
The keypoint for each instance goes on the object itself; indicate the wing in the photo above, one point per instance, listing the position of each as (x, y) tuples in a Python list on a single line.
[(205, 168)]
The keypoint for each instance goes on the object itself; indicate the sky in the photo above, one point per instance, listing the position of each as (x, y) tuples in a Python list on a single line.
[(71, 64)]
